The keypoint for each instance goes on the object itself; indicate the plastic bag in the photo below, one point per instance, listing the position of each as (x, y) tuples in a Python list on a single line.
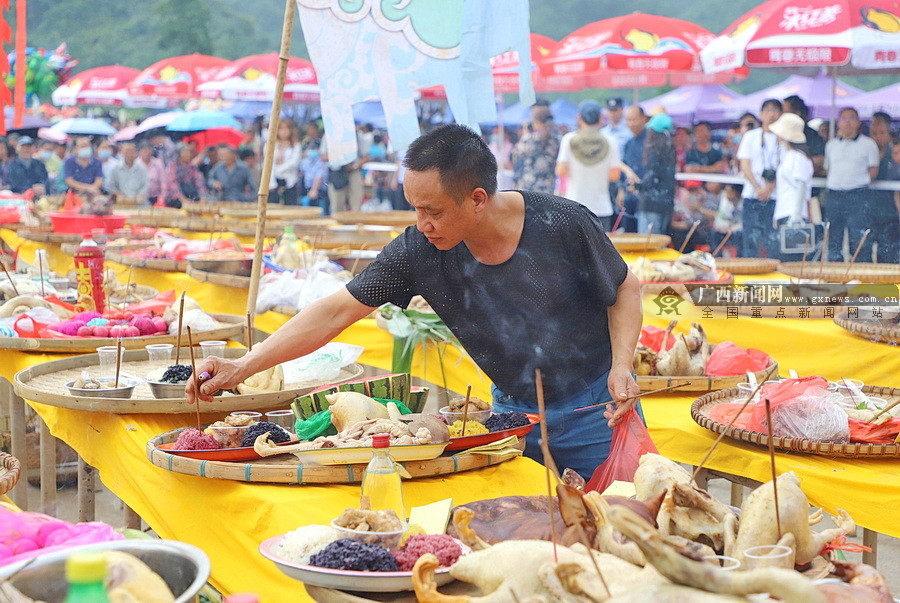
[(784, 392), (320, 423), (652, 338), (37, 322), (297, 289), (197, 320), (874, 433), (630, 442), (812, 415), (323, 365), (729, 359)]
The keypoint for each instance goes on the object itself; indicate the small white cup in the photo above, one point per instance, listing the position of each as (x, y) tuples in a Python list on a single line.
[(212, 348), (107, 355), (282, 418), (160, 352), (769, 555), (724, 562), (250, 413)]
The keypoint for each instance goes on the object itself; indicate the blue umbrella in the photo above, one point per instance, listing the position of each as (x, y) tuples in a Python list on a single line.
[(84, 126), (197, 121)]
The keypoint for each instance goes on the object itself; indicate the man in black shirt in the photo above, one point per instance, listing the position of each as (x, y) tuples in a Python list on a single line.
[(525, 281), (814, 142), (25, 172), (703, 157)]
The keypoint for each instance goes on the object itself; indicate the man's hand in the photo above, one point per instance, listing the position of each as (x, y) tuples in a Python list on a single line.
[(762, 193), (621, 387), (224, 374)]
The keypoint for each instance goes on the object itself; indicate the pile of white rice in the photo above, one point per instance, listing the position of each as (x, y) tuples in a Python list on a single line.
[(304, 542)]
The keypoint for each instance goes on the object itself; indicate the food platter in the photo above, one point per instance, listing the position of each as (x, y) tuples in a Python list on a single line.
[(286, 469), (481, 439), (231, 327), (376, 582), (702, 405), (127, 259), (398, 218), (842, 272), (44, 383), (885, 329), (630, 241), (747, 265)]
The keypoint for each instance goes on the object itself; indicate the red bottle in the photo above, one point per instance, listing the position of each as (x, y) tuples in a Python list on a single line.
[(89, 272)]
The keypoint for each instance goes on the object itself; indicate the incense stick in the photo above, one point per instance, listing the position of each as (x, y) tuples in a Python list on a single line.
[(733, 419), (466, 409), (358, 258), (195, 376), (856, 253), (618, 220), (118, 359), (655, 391), (549, 464), (41, 274), (249, 331), (722, 244), (772, 457), (689, 235), (824, 248), (11, 282), (803, 261), (178, 340), (649, 234), (127, 290)]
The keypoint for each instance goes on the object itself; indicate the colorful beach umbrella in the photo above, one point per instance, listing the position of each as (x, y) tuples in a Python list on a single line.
[(98, 86), (175, 78), (84, 126), (848, 36), (636, 50), (252, 78), (196, 121)]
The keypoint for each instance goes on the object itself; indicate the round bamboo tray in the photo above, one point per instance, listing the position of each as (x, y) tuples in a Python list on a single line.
[(162, 265), (702, 383), (285, 469), (312, 227), (145, 292), (842, 272), (286, 310), (747, 265), (225, 280), (398, 218), (702, 405), (631, 241), (885, 330), (40, 235), (725, 278), (215, 207), (274, 211), (45, 383), (159, 218), (356, 236), (10, 470), (232, 327), (247, 228)]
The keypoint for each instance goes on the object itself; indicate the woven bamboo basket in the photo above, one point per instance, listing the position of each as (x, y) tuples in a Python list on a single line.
[(702, 383), (160, 264), (40, 235), (45, 383), (724, 278), (171, 218), (400, 219), (231, 327), (225, 280), (10, 469), (247, 228), (286, 310), (312, 227), (248, 211), (285, 469), (886, 330), (631, 241), (702, 405), (216, 207), (842, 272), (747, 265)]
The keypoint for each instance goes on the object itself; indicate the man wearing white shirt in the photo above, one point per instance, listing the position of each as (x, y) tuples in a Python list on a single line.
[(589, 160), (615, 129), (759, 155), (852, 163)]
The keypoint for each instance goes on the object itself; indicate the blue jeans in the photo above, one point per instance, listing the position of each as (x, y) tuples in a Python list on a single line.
[(758, 229), (578, 440), (660, 221)]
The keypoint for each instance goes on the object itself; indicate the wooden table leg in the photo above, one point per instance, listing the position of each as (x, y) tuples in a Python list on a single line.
[(737, 494), (85, 491), (870, 539), (132, 519), (48, 470), (18, 445)]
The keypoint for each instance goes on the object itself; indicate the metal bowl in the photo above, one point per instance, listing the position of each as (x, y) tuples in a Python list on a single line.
[(357, 259), (184, 568), (166, 390), (226, 266), (113, 392)]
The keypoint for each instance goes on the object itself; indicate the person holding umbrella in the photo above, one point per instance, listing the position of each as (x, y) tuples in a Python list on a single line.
[(25, 172)]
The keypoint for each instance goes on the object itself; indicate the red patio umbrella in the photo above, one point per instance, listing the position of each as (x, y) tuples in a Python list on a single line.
[(175, 78), (97, 86), (636, 50), (214, 136), (847, 36), (252, 78)]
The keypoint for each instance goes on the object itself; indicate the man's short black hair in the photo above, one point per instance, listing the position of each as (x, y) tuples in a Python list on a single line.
[(224, 145), (849, 109), (771, 102), (703, 123), (246, 153), (798, 106), (884, 118), (461, 157)]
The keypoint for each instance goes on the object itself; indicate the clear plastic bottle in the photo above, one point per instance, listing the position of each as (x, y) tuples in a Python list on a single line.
[(381, 481), (289, 236), (89, 272), (85, 573)]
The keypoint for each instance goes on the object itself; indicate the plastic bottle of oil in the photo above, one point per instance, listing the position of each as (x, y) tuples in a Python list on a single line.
[(381, 481), (85, 573)]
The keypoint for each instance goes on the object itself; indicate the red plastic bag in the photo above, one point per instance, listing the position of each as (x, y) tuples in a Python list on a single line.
[(729, 359), (26, 326), (652, 338), (630, 442), (870, 433), (156, 306), (778, 394)]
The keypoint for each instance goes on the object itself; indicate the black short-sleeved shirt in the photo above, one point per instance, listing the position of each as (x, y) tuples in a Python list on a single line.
[(695, 156), (545, 307)]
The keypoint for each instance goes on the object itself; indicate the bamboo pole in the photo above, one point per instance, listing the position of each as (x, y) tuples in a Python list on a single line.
[(263, 194)]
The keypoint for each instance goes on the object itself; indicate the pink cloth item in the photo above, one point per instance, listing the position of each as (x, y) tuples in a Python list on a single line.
[(26, 535)]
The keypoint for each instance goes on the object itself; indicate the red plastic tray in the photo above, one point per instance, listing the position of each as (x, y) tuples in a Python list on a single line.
[(69, 223), (481, 439)]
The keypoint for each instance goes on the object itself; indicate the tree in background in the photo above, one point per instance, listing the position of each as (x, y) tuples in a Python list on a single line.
[(183, 27)]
